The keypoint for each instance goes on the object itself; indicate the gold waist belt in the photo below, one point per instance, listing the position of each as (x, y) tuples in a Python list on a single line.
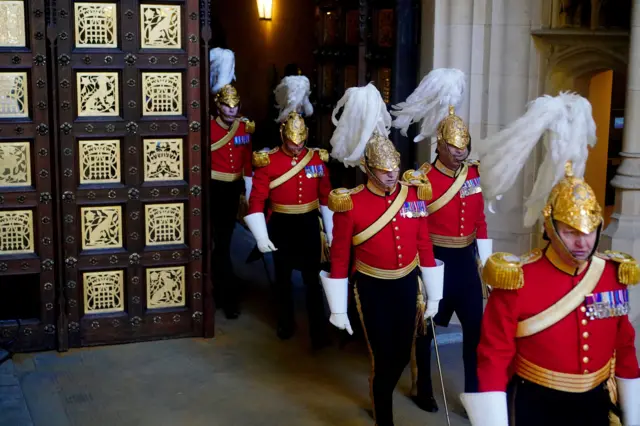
[(452, 242), (386, 274), (225, 177), (296, 208), (565, 382)]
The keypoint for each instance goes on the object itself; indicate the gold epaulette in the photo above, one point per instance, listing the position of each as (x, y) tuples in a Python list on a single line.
[(323, 153), (419, 179), (473, 163), (628, 269), (261, 158), (340, 199), (249, 125), (504, 270)]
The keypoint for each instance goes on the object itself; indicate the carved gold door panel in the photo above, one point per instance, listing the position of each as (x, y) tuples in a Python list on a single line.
[(129, 84), (27, 256)]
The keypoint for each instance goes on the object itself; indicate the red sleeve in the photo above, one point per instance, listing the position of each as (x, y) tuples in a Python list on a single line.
[(497, 345), (341, 245), (259, 191), (425, 246), (481, 222), (325, 187), (626, 361), (248, 171)]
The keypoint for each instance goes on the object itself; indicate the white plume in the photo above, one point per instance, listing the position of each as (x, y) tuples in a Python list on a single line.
[(430, 102), (223, 68), (364, 113), (571, 129), (291, 94)]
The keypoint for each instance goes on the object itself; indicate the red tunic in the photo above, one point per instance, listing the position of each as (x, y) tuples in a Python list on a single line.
[(393, 247), (235, 155), (463, 214), (573, 345), (301, 189)]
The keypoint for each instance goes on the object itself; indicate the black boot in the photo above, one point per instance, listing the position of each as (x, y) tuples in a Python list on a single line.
[(426, 402)]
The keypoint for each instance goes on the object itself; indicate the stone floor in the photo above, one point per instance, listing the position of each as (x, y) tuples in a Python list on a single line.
[(244, 376)]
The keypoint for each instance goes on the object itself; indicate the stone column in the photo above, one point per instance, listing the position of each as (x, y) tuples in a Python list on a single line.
[(623, 232)]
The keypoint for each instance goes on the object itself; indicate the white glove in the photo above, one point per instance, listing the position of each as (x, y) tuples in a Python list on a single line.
[(432, 308), (337, 292), (486, 408), (629, 397), (433, 280), (248, 184), (485, 248), (327, 219), (258, 227)]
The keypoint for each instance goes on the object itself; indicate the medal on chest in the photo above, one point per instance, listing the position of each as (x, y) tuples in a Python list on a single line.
[(294, 161), (470, 187), (607, 304), (414, 209)]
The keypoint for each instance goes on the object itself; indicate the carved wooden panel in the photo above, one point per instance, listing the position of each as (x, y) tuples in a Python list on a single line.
[(129, 84), (27, 246)]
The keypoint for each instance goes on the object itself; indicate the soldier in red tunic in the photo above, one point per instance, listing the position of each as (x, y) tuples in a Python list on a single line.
[(456, 220), (294, 180), (556, 339), (230, 166), (382, 227)]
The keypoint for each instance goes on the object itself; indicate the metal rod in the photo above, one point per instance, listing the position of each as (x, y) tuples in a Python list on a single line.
[(444, 393)]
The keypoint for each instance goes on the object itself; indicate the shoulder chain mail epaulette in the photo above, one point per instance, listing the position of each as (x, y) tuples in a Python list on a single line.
[(340, 199), (628, 269), (323, 153), (504, 270), (249, 125), (261, 158), (419, 179)]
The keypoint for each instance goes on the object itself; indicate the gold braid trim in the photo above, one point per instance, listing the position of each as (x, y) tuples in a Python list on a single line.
[(419, 179), (340, 199), (628, 269)]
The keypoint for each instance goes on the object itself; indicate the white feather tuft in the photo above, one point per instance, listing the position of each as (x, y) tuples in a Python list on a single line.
[(292, 94), (430, 102), (571, 129), (223, 66), (364, 112)]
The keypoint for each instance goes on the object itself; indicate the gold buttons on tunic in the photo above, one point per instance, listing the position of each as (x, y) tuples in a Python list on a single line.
[(396, 228), (393, 220), (585, 347), (585, 322), (583, 309), (585, 359), (585, 335), (586, 371)]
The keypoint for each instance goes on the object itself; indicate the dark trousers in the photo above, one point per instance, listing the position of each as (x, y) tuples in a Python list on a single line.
[(225, 197), (388, 314), (462, 295), (534, 405), (298, 243)]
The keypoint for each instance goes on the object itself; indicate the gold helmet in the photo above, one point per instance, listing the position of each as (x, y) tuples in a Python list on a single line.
[(294, 129), (228, 95), (453, 131), (572, 202), (381, 154)]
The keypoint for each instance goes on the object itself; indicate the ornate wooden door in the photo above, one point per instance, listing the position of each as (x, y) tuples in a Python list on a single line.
[(129, 84), (27, 256)]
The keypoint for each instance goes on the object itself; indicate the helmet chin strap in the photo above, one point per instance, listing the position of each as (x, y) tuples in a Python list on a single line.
[(377, 181), (561, 247), (447, 154)]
